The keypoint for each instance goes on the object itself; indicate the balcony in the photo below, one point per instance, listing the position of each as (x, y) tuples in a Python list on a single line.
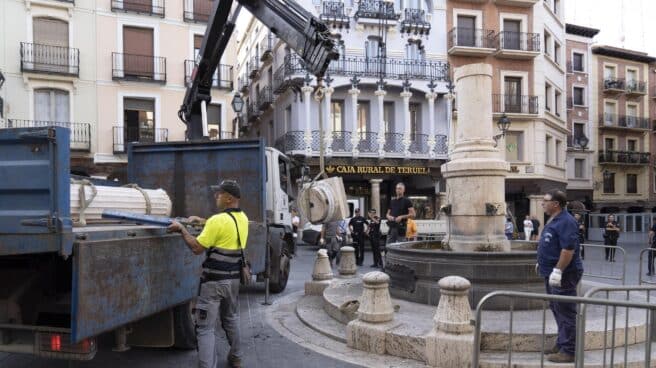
[(367, 142), (514, 104), (419, 144), (376, 9), (576, 142), (266, 48), (124, 135), (243, 83), (635, 88), (254, 67), (253, 113), (341, 142), (333, 14), (471, 42), (441, 145), (394, 143), (264, 98), (608, 120), (143, 68), (291, 141), (517, 45), (80, 132), (624, 157), (216, 135), (520, 3), (148, 7), (49, 59), (222, 78), (614, 85), (415, 22), (197, 11)]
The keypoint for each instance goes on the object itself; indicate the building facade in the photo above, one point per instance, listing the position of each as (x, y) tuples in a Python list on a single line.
[(385, 111), (524, 41), (113, 71), (581, 141)]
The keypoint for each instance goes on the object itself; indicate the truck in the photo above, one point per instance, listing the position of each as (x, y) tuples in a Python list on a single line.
[(63, 284)]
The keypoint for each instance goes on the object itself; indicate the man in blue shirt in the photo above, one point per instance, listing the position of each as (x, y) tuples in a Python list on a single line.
[(560, 265)]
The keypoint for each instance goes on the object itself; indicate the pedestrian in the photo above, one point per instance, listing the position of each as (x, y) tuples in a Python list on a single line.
[(579, 220), (560, 265), (373, 231), (509, 228), (528, 227), (536, 228), (223, 239), (398, 214), (296, 221), (652, 245), (411, 232), (331, 240), (357, 227), (611, 234)]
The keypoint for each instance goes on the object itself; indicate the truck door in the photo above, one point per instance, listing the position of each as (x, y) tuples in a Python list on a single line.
[(283, 191)]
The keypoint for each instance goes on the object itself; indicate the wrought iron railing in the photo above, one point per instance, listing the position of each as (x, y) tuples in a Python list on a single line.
[(138, 67), (419, 143), (341, 141), (243, 83), (291, 141), (623, 121), (394, 143), (124, 135), (333, 12), (376, 9), (414, 21), (368, 142), (614, 83), (49, 59), (576, 141), (469, 37), (441, 144), (636, 87), (315, 144), (518, 41), (515, 104), (253, 112), (150, 7), (265, 98), (194, 12), (254, 67), (624, 157), (80, 132), (266, 47), (222, 76)]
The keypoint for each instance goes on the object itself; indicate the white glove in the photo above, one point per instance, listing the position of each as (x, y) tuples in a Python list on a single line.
[(537, 269), (554, 278), (321, 241)]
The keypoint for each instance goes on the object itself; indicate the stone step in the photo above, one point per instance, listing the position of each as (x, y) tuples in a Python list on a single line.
[(309, 310)]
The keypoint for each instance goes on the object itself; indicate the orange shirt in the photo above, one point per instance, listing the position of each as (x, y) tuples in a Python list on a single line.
[(411, 232)]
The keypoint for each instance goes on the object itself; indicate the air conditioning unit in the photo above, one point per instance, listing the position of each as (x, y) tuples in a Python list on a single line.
[(323, 201)]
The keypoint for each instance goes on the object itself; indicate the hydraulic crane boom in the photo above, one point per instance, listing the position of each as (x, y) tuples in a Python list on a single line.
[(303, 32)]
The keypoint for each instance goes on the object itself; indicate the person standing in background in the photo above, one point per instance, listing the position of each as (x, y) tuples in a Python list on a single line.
[(611, 234), (536, 228), (411, 233), (357, 226), (509, 228), (528, 227), (373, 231), (579, 220)]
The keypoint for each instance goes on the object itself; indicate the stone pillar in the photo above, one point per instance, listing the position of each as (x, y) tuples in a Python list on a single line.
[(322, 274), (375, 195), (355, 139), (475, 176), (450, 343), (406, 121), (449, 119), (327, 124), (347, 267), (441, 201), (307, 90), (380, 93), (535, 209), (430, 97), (367, 332)]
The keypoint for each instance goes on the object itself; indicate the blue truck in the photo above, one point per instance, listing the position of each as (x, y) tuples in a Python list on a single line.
[(62, 285)]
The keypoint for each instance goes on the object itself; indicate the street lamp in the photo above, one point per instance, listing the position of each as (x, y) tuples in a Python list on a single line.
[(237, 105), (503, 124)]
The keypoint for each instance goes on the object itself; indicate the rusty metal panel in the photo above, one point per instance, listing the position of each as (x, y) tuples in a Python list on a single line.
[(119, 281)]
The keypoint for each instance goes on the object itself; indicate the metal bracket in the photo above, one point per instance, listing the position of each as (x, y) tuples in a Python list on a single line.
[(491, 209)]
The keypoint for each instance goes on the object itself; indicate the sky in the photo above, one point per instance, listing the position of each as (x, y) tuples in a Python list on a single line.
[(623, 23)]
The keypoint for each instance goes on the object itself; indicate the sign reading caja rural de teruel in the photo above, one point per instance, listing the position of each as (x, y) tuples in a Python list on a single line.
[(394, 170)]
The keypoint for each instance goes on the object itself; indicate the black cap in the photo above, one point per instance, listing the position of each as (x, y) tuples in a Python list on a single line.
[(228, 186)]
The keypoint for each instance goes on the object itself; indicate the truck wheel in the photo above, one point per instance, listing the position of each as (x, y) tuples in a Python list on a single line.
[(283, 275), (184, 327)]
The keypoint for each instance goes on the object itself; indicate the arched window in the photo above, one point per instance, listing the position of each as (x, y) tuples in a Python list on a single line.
[(49, 31)]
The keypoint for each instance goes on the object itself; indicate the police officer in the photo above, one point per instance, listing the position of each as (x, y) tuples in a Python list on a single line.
[(560, 265), (357, 225), (221, 239), (373, 230)]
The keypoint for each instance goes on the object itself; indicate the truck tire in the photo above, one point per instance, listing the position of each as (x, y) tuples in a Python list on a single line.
[(184, 327), (283, 275)]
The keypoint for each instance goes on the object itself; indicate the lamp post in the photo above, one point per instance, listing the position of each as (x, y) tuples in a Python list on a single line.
[(503, 124), (237, 105)]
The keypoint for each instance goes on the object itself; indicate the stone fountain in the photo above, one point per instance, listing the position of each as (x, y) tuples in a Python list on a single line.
[(475, 247)]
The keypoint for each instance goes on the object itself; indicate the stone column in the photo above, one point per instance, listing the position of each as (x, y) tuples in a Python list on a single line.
[(535, 209), (380, 93), (321, 274), (307, 90), (450, 343), (327, 124), (355, 139), (449, 119), (430, 97), (406, 121), (375, 195), (347, 266), (367, 332), (475, 176)]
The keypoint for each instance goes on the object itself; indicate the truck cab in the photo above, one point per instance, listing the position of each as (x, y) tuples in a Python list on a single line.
[(280, 187)]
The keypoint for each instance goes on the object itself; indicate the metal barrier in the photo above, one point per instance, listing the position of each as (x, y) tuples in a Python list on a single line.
[(640, 274), (580, 342), (622, 278)]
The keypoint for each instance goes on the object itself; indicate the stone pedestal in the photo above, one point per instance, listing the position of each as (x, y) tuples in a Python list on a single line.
[(347, 266), (322, 274), (475, 176), (374, 314), (450, 343)]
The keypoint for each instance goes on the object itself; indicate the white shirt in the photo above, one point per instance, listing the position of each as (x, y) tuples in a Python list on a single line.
[(528, 224)]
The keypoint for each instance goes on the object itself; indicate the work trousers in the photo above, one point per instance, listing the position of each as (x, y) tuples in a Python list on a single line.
[(375, 249), (527, 233), (565, 313), (358, 242), (650, 260), (610, 252), (393, 235), (217, 302)]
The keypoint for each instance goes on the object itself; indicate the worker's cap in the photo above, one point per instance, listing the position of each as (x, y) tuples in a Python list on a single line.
[(228, 186), (373, 210)]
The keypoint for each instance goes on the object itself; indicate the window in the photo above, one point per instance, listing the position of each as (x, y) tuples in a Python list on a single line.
[(631, 183), (609, 72), (559, 146), (631, 145), (363, 117), (415, 119), (631, 76), (372, 48), (288, 118), (609, 183), (557, 52), (283, 170), (466, 31), (414, 50), (514, 146), (578, 96), (609, 144), (557, 103), (49, 32), (579, 165), (548, 150), (547, 95), (138, 120), (388, 111), (513, 94), (51, 105), (138, 52), (337, 115), (577, 62), (511, 34), (547, 43), (579, 132), (609, 113), (214, 121)]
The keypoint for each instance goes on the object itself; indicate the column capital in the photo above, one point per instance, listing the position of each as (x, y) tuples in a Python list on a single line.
[(329, 90), (354, 91), (406, 94), (380, 92), (307, 89), (375, 181), (431, 95)]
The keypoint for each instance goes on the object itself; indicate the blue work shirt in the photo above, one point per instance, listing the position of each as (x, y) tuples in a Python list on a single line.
[(560, 233)]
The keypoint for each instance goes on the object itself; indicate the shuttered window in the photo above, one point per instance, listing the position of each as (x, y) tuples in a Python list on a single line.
[(48, 31)]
